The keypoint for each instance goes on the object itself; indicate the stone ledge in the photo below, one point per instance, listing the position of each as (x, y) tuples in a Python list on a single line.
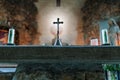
[(56, 53)]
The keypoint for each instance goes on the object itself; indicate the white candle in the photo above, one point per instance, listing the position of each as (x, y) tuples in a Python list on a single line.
[(11, 36), (105, 39)]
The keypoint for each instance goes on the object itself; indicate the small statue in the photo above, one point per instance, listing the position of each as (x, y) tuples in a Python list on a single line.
[(113, 32)]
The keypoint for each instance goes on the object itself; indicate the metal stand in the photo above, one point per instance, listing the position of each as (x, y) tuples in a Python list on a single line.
[(10, 44), (58, 42)]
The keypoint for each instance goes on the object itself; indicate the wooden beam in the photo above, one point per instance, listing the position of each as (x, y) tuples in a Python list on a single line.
[(52, 54)]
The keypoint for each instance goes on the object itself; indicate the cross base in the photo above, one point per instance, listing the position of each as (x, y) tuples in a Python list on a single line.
[(58, 42), (10, 44), (106, 44)]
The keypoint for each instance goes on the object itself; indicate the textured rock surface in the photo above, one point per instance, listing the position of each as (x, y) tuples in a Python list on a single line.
[(33, 72), (22, 15), (8, 76)]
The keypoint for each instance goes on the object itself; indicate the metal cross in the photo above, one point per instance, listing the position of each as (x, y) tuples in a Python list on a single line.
[(58, 23)]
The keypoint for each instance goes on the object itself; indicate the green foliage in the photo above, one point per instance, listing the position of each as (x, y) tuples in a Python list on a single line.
[(111, 67)]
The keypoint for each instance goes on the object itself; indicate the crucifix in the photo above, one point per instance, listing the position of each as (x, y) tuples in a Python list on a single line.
[(58, 42), (58, 23)]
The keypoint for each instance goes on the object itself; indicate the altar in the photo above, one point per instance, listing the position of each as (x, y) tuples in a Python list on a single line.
[(87, 58), (50, 54), (60, 39)]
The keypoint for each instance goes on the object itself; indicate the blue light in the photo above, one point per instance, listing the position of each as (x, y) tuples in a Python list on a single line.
[(5, 70)]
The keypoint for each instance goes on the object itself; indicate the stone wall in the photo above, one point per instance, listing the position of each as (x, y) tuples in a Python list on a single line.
[(55, 72), (6, 76), (94, 11), (43, 75), (22, 15)]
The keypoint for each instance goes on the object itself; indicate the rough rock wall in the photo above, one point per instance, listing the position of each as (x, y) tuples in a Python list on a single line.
[(6, 76), (94, 11), (55, 72), (22, 15)]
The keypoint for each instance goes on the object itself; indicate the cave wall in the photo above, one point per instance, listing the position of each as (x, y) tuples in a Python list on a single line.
[(22, 15), (40, 75), (6, 76), (55, 72), (94, 11)]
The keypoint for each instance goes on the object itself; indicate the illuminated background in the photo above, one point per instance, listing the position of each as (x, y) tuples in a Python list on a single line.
[(68, 13)]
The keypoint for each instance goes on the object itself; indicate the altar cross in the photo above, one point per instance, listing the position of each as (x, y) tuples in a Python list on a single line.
[(58, 23)]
